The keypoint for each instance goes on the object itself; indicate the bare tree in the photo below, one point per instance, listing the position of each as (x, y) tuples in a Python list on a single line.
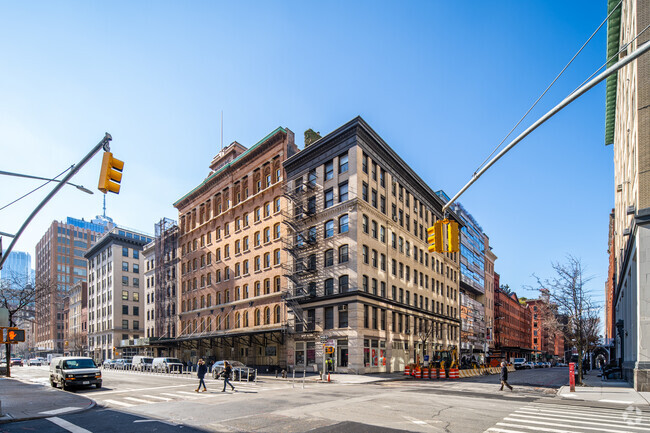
[(17, 295), (77, 343), (569, 308)]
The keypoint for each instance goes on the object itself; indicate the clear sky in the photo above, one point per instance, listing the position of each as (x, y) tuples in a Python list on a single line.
[(441, 82)]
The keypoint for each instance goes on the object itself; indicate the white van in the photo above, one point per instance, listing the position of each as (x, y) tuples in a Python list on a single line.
[(141, 363), (74, 371), (167, 365)]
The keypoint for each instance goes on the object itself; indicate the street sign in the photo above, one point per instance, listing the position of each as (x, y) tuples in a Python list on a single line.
[(12, 335), (323, 339), (4, 316)]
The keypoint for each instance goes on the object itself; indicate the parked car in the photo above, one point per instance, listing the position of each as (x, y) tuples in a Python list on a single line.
[(74, 371), (109, 363), (167, 365), (518, 363), (122, 364), (141, 363), (16, 362), (35, 361), (239, 370), (529, 365)]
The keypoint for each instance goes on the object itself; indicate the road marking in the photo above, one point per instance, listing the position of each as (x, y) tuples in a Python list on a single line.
[(119, 403), (572, 413), (156, 397), (500, 430), (193, 394), (551, 430), (143, 389), (177, 396), (139, 400), (67, 425), (616, 401), (155, 420), (545, 422), (612, 420), (58, 411)]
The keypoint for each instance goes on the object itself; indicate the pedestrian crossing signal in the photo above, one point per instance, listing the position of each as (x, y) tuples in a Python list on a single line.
[(12, 335)]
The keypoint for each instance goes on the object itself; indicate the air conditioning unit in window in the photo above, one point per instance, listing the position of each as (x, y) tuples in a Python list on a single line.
[(343, 307)]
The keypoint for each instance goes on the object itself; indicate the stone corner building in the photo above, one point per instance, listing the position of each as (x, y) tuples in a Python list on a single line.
[(360, 277), (231, 257), (628, 129)]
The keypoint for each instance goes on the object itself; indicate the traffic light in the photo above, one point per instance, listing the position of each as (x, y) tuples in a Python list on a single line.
[(111, 174), (435, 237), (453, 237)]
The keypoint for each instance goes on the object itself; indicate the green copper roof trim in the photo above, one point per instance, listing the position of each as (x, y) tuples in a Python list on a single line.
[(613, 40), (259, 143)]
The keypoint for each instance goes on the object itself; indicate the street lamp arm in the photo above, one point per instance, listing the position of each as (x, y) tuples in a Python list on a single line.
[(103, 143), (572, 97), (28, 176)]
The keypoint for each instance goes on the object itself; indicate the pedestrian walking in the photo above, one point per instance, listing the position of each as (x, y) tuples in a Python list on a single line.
[(504, 376), (227, 371), (200, 373)]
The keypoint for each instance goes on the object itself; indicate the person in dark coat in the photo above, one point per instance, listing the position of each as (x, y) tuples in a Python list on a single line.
[(227, 371), (504, 376), (200, 373)]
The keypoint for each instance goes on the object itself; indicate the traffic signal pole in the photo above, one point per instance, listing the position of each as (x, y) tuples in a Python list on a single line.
[(104, 143), (569, 99)]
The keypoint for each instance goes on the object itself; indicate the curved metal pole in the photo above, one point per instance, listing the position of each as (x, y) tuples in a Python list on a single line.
[(103, 143), (28, 176), (609, 71)]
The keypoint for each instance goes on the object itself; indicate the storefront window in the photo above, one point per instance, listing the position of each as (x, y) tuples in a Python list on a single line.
[(374, 353), (300, 353), (311, 353)]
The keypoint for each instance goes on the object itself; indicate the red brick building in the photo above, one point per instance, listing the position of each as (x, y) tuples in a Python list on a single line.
[(546, 344), (512, 325)]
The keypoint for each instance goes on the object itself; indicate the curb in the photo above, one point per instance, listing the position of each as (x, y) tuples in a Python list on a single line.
[(8, 418)]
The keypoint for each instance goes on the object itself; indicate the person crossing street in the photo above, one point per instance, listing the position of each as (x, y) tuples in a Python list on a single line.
[(227, 371), (504, 376), (200, 373)]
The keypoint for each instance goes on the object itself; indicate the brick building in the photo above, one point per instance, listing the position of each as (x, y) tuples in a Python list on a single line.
[(513, 322), (231, 257)]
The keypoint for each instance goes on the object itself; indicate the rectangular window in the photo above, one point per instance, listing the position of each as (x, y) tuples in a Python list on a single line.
[(125, 281), (343, 163), (329, 198), (343, 316), (364, 163), (364, 191), (343, 192), (329, 317), (125, 252), (125, 324), (329, 170), (125, 310)]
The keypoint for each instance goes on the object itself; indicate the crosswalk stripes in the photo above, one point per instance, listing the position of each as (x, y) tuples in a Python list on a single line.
[(563, 418), (135, 399)]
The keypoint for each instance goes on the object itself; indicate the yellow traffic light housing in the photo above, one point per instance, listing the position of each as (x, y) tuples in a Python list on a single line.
[(435, 237), (110, 175), (453, 237)]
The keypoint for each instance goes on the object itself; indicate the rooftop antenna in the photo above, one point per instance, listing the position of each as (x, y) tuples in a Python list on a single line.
[(104, 205), (221, 129)]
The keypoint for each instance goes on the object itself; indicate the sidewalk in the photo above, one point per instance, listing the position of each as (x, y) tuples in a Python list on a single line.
[(345, 378), (20, 401), (605, 391)]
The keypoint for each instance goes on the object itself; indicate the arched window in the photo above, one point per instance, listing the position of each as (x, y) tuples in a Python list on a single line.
[(209, 300), (257, 317), (218, 322), (276, 314), (245, 319), (237, 320), (267, 315)]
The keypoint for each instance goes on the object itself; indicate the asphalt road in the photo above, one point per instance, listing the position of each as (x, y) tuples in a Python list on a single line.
[(137, 402)]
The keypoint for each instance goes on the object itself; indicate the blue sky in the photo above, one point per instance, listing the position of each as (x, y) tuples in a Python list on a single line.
[(441, 82)]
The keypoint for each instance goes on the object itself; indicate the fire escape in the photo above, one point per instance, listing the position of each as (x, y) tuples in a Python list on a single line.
[(301, 242), (165, 278)]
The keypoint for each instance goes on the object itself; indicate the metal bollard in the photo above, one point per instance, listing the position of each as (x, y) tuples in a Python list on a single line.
[(293, 381), (304, 372), (255, 376)]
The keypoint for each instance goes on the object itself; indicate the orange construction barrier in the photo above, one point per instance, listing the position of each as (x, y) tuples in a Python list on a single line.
[(425, 373), (407, 370), (418, 373), (454, 373), (442, 374), (434, 373)]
